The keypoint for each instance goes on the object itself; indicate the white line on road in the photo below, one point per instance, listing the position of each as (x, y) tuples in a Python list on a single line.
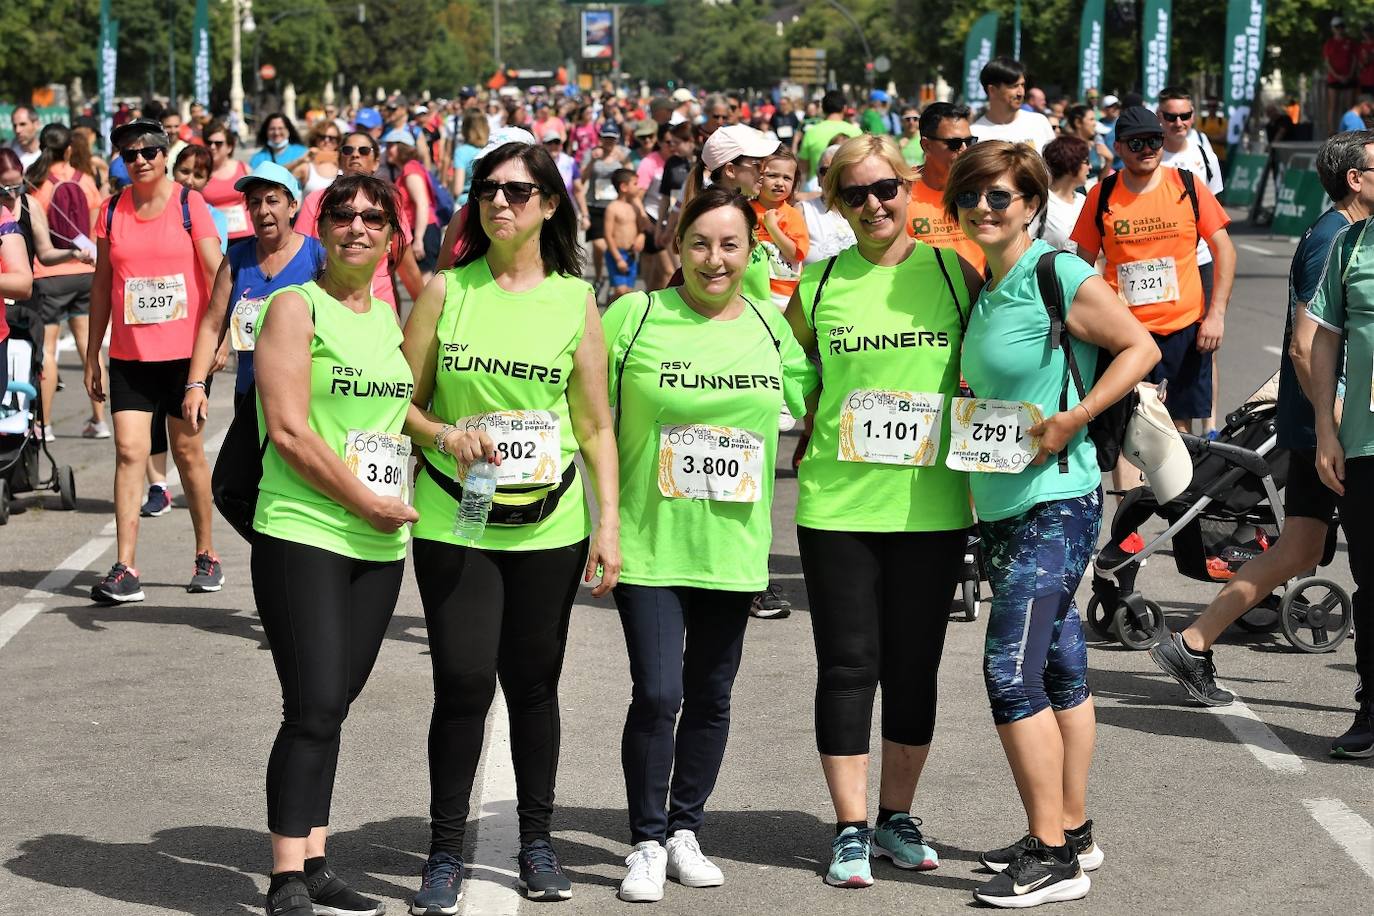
[(1347, 828), (491, 889), (1276, 351), (1251, 731), (1255, 249), (13, 620)]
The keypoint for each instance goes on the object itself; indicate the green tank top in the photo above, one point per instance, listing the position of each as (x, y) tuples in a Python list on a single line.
[(889, 329), (756, 287), (503, 351), (359, 380)]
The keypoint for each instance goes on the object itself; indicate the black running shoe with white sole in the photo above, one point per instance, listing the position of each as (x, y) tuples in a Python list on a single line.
[(291, 899), (769, 604), (119, 586), (1036, 876), (208, 576), (1195, 672), (331, 896), (1090, 855), (541, 877), (441, 886), (1358, 742)]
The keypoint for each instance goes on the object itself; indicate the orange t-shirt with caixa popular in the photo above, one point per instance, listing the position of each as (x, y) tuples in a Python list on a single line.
[(1151, 248), (783, 275), (926, 220)]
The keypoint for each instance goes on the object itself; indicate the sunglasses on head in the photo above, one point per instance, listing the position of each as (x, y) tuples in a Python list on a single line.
[(1177, 116), (954, 144), (517, 192), (365, 150), (856, 195), (373, 219), (997, 198), (1136, 144), (149, 153)]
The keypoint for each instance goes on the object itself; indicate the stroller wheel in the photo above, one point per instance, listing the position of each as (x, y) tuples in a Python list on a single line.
[(66, 487), (970, 596), (1262, 618), (4, 502), (1315, 615), (1139, 629), (1100, 618)]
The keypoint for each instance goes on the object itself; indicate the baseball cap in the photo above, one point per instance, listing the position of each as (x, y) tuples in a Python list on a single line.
[(646, 128), (878, 95), (502, 136), (139, 128), (729, 143), (1137, 121), (270, 173), (552, 135), (367, 119), (682, 95), (609, 130), (1153, 445), (1109, 101), (1337, 20), (661, 103), (398, 135)]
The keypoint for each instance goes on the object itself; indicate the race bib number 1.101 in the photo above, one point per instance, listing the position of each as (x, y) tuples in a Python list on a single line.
[(890, 427), (723, 463), (991, 436)]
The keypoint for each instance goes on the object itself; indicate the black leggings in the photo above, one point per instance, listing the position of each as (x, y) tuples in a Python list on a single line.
[(879, 608), (494, 614), (325, 616)]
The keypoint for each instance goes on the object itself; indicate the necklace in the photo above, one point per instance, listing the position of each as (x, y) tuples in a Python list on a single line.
[(265, 261)]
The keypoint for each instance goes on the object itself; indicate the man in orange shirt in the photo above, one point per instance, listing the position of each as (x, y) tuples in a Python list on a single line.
[(945, 135), (1148, 230)]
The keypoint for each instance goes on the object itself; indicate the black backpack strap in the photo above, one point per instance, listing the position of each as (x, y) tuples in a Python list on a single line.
[(620, 369), (777, 344), (110, 211), (1190, 191), (185, 208), (1103, 199), (1206, 165), (1052, 295), (816, 300), (949, 282)]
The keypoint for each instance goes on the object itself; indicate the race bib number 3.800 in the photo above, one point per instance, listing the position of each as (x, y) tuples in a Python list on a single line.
[(890, 427), (154, 300), (528, 442), (992, 436), (381, 461), (723, 463), (1148, 282)]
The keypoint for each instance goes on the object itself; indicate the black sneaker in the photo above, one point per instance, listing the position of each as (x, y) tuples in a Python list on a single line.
[(159, 502), (1358, 742), (441, 887), (1090, 855), (1035, 877), (541, 877), (769, 604), (1196, 673), (331, 896), (120, 585), (208, 577), (291, 899)]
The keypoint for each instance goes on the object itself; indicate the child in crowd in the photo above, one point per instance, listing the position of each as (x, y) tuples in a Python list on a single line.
[(624, 235), (782, 227)]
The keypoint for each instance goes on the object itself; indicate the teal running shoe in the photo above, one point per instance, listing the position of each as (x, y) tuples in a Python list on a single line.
[(849, 859), (900, 840)]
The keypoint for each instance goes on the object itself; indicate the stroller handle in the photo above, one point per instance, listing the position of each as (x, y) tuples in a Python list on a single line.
[(1232, 454), (23, 388)]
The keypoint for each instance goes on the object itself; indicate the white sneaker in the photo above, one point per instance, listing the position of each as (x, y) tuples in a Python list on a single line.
[(95, 429), (644, 881), (688, 865)]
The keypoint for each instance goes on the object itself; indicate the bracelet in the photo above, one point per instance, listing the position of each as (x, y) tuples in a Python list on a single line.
[(440, 436), (190, 385), (1091, 418)]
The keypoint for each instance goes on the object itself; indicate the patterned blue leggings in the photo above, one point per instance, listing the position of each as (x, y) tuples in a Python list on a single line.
[(1034, 656)]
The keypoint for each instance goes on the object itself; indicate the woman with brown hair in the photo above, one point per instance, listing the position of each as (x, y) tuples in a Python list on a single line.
[(415, 192), (318, 169), (219, 191)]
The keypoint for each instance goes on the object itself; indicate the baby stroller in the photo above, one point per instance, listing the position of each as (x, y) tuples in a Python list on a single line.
[(971, 577), (1230, 512), (21, 413)]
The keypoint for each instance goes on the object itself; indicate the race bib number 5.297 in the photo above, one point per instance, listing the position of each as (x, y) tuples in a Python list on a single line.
[(723, 463), (992, 436), (890, 427), (154, 300)]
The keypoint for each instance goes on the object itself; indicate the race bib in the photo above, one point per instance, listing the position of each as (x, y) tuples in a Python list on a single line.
[(243, 324), (154, 300), (381, 461), (529, 443), (991, 436), (236, 218), (890, 427), (784, 132), (723, 463), (606, 191), (1148, 282)]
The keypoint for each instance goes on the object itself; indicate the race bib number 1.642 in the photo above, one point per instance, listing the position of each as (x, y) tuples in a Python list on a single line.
[(991, 436), (723, 463), (890, 427), (381, 461)]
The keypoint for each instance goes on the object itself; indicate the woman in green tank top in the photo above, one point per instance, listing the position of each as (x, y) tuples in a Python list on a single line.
[(333, 390), (509, 363), (881, 520)]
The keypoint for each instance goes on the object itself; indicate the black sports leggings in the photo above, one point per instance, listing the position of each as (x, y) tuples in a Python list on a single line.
[(879, 608), (494, 614), (325, 616)]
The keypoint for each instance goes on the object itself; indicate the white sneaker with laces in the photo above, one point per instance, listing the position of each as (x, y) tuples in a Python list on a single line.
[(688, 865), (643, 883)]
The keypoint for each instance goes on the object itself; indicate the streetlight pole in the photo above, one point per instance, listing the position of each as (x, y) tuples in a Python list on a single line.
[(868, 52), (236, 65), (496, 32)]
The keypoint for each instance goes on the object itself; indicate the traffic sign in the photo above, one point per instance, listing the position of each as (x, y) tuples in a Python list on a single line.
[(267, 72), (806, 65)]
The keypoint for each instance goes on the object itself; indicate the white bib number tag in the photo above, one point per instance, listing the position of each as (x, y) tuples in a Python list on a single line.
[(784, 132), (890, 427), (243, 324), (236, 218), (529, 443), (991, 436), (155, 300), (723, 463), (1148, 282), (381, 461)]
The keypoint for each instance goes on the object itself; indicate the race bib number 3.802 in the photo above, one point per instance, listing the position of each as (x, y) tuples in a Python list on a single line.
[(528, 442), (1148, 282), (890, 427), (723, 463), (154, 300), (992, 436), (381, 461)]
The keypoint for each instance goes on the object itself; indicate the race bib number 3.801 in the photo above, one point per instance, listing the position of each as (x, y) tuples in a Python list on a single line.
[(528, 442), (723, 463), (1148, 282), (992, 436), (154, 300), (890, 427), (381, 461)]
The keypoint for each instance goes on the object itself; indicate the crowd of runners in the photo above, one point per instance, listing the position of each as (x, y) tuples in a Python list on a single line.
[(661, 286)]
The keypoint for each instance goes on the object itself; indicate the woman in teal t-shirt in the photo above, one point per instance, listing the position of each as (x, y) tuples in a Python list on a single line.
[(698, 374), (1039, 524)]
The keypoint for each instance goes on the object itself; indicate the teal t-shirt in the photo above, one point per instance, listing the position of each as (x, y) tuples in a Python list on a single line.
[(1008, 355), (1344, 303)]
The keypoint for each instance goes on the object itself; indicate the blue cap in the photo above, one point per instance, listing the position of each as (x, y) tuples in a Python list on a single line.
[(272, 173), (399, 135), (367, 119), (878, 95)]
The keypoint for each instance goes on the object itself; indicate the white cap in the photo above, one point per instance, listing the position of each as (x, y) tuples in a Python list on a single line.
[(503, 135), (1109, 100), (1154, 446), (552, 135), (729, 143), (682, 95)]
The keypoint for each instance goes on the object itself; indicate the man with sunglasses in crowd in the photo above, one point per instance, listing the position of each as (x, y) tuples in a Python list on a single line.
[(945, 134)]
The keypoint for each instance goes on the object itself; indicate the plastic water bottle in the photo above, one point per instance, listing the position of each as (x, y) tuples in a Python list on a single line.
[(478, 488)]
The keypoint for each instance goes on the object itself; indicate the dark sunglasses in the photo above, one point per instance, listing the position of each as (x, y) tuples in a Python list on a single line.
[(216, 142), (1136, 144), (149, 153), (344, 216), (856, 196), (517, 192), (11, 190), (351, 150), (997, 199), (1179, 116), (332, 138), (954, 144), (820, 172)]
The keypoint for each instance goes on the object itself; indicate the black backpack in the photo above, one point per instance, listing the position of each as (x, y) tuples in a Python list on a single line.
[(1108, 429), (238, 468)]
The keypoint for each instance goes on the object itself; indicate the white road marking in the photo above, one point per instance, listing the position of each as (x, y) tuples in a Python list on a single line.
[(13, 620), (1276, 351), (1347, 828), (491, 889), (1251, 731), (1255, 249)]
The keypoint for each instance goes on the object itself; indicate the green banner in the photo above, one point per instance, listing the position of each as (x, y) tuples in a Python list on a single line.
[(200, 52), (979, 48), (1244, 59), (1154, 48), (1243, 183), (1300, 201), (1016, 31), (106, 65), (1090, 33)]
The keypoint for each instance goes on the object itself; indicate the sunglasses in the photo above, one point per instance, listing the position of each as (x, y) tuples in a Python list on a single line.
[(344, 216), (149, 153), (856, 196), (1136, 144), (1179, 116), (351, 150), (820, 172), (332, 138), (954, 144), (11, 190), (911, 117), (216, 143), (997, 199), (517, 192)]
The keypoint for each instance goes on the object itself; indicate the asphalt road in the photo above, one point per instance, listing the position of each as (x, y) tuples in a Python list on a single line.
[(133, 740)]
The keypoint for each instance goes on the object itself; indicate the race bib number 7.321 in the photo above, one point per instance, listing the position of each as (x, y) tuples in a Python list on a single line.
[(723, 463), (992, 436)]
